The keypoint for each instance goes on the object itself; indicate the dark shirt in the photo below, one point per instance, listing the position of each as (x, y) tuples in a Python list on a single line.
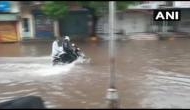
[(67, 47)]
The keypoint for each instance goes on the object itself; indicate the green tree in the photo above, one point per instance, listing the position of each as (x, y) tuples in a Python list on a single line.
[(59, 9), (55, 9)]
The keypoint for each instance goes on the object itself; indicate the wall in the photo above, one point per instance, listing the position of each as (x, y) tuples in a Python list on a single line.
[(133, 23), (148, 5), (182, 4), (26, 12), (184, 24), (103, 26), (15, 7), (127, 22)]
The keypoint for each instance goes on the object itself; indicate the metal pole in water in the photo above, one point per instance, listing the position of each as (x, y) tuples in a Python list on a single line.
[(112, 94)]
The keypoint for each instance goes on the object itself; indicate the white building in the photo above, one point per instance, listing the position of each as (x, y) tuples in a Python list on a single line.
[(136, 19), (181, 4), (184, 24), (139, 19), (127, 22), (148, 5)]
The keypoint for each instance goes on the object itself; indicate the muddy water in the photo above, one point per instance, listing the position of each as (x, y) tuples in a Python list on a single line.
[(150, 74)]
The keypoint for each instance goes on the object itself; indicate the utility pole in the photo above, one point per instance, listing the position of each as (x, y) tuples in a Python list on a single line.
[(112, 94)]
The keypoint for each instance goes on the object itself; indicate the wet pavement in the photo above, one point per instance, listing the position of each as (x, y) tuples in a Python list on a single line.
[(150, 74)]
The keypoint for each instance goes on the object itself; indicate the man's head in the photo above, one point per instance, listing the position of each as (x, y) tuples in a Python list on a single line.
[(67, 38)]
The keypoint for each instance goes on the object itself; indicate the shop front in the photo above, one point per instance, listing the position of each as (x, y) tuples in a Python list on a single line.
[(8, 28), (8, 23)]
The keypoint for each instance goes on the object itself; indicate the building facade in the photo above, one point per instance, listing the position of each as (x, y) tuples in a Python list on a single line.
[(9, 21), (25, 20), (34, 24), (139, 18), (21, 20), (178, 26), (127, 22)]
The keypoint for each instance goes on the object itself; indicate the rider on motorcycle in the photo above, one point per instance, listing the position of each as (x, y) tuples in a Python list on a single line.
[(65, 52), (57, 49), (68, 49)]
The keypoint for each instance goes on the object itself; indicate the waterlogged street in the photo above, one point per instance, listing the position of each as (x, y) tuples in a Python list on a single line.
[(150, 74)]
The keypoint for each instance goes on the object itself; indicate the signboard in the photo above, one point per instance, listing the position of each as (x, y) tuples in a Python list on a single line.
[(8, 17), (5, 6)]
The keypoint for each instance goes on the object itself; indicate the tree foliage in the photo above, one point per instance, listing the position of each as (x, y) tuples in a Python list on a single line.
[(56, 9), (59, 9)]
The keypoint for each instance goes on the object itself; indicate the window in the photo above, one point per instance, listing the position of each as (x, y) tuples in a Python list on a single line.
[(25, 24)]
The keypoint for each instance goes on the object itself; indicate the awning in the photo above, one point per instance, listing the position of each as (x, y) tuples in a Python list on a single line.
[(9, 17)]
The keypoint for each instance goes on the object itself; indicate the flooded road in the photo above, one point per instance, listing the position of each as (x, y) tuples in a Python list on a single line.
[(150, 74)]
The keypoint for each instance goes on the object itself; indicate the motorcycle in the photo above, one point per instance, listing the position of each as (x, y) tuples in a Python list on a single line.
[(67, 59)]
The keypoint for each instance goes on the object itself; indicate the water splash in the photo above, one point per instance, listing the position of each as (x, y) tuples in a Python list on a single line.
[(26, 67), (60, 69)]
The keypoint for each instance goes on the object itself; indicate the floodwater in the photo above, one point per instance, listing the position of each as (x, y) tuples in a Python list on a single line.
[(150, 74)]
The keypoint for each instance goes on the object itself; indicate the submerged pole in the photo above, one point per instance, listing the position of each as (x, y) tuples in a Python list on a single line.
[(112, 94)]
